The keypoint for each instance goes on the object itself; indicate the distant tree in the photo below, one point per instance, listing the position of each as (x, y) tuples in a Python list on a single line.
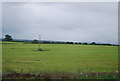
[(85, 43), (53, 42), (47, 42), (69, 42), (35, 41), (93, 43), (8, 38), (76, 43)]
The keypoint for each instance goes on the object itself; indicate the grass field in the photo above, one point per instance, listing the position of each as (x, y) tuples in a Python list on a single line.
[(20, 58), (59, 58)]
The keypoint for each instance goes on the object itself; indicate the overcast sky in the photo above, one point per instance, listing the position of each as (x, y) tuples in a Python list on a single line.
[(81, 21)]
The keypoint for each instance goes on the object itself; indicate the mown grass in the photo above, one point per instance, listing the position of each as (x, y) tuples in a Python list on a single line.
[(60, 58)]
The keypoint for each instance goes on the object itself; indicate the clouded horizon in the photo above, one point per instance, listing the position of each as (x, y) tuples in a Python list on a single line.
[(62, 21)]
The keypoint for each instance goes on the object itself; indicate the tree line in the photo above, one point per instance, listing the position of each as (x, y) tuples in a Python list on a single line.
[(35, 41), (56, 42)]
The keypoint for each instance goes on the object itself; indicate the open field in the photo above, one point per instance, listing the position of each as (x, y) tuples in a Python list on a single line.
[(59, 58)]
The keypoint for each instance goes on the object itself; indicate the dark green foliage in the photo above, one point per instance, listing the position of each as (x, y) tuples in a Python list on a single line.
[(69, 42), (93, 43), (35, 41), (85, 43), (76, 43), (8, 38), (40, 50)]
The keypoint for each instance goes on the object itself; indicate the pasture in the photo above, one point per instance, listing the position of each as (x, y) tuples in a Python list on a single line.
[(59, 58)]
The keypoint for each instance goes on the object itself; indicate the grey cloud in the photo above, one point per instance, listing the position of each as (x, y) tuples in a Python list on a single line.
[(62, 21)]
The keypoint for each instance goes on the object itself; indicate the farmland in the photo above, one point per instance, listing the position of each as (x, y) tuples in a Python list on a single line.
[(58, 58)]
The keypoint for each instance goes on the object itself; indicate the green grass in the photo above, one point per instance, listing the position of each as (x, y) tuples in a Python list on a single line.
[(66, 58), (0, 58)]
